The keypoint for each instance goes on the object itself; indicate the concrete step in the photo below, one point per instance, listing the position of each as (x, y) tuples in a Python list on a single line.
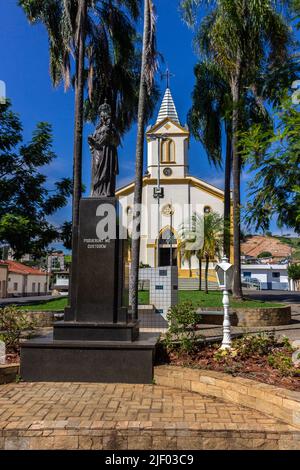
[(193, 284)]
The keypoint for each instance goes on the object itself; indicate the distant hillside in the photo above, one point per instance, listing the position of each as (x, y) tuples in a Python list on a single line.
[(294, 243), (254, 245)]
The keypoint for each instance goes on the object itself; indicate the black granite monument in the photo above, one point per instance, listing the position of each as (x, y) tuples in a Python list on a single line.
[(98, 340)]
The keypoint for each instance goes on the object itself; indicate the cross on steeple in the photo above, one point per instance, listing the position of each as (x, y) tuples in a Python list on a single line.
[(168, 75)]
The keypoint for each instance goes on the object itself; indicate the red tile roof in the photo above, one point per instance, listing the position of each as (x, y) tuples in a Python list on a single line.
[(257, 244), (19, 268)]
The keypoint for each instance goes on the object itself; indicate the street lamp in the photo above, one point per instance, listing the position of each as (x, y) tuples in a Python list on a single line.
[(224, 272)]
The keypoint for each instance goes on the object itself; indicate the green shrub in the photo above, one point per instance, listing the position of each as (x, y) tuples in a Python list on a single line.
[(14, 323), (221, 355), (294, 271), (250, 345), (265, 254), (280, 361), (183, 320), (287, 344)]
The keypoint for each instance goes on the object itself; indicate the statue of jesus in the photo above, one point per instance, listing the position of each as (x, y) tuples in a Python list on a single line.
[(103, 145)]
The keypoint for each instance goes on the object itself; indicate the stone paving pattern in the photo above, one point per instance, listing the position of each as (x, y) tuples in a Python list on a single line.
[(121, 416)]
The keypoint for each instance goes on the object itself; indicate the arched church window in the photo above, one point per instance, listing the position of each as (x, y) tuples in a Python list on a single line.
[(207, 210), (168, 236), (171, 151), (167, 151), (164, 151)]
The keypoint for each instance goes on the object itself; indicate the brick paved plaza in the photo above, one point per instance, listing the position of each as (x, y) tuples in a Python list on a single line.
[(118, 416)]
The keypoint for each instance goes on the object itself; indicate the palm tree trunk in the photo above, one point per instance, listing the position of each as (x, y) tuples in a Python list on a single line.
[(236, 176), (78, 128), (77, 153), (227, 199), (139, 160), (206, 273), (200, 273)]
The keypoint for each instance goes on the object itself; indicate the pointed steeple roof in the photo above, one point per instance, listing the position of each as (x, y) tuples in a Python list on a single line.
[(167, 108)]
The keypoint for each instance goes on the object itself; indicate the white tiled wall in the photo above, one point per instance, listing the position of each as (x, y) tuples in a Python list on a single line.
[(163, 287)]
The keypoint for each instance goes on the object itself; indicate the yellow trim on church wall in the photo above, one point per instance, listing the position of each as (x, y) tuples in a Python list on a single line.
[(163, 122), (193, 274), (188, 180)]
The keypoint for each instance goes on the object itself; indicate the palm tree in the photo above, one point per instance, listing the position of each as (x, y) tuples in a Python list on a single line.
[(246, 38), (99, 35), (148, 69), (211, 112), (190, 243), (201, 236), (210, 109), (212, 247)]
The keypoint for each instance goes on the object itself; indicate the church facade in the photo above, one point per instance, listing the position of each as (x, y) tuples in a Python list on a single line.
[(170, 194)]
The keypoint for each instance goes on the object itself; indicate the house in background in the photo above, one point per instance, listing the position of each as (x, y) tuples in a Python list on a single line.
[(60, 281), (56, 261), (24, 280), (58, 269), (266, 276)]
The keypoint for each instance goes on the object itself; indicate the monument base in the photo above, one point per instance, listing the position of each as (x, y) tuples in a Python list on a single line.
[(98, 341), (48, 360), (81, 331)]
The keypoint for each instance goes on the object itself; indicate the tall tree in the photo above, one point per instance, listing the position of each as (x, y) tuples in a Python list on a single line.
[(201, 236), (274, 156), (210, 113), (25, 199), (213, 229), (148, 69), (246, 39), (190, 243), (101, 37)]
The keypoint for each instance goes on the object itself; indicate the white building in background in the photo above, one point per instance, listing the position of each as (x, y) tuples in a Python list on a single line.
[(60, 281), (269, 276), (183, 194), (24, 280), (56, 261)]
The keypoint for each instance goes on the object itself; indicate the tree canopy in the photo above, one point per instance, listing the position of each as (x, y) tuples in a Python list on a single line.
[(112, 55), (25, 199), (274, 156)]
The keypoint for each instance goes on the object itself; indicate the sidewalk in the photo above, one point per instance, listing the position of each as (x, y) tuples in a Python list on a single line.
[(122, 416)]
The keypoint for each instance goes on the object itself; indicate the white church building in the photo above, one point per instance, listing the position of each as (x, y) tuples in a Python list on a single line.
[(181, 194)]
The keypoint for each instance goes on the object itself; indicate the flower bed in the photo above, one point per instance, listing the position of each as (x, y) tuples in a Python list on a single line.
[(262, 357)]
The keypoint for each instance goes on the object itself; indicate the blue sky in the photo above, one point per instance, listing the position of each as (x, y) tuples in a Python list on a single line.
[(24, 68)]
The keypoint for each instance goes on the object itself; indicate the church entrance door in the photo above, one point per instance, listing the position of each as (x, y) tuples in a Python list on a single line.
[(167, 256)]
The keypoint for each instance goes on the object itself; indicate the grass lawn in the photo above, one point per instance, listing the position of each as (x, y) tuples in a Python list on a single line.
[(55, 305), (212, 299)]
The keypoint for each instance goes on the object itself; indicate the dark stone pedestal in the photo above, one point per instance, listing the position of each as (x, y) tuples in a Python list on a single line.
[(76, 331), (98, 340), (46, 360)]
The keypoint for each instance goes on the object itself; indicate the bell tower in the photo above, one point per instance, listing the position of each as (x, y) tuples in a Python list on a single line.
[(167, 143)]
